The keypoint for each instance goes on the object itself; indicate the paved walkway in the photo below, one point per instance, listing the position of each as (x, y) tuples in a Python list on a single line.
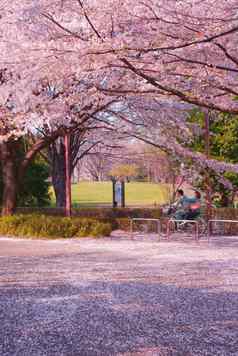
[(118, 297)]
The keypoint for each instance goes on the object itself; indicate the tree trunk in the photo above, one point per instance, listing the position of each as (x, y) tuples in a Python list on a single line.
[(60, 191), (9, 174), (56, 154)]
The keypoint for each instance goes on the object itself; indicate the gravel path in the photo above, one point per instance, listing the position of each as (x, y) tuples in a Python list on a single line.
[(118, 297)]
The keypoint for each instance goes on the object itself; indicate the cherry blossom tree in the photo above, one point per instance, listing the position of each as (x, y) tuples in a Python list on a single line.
[(60, 60), (189, 51), (35, 54)]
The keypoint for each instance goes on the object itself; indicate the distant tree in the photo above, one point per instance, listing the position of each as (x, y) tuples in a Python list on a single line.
[(98, 163), (109, 152), (125, 171)]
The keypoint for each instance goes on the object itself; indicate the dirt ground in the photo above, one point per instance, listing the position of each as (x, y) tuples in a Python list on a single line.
[(118, 296)]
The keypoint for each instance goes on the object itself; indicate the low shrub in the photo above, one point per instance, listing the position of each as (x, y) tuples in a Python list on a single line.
[(90, 222), (52, 227), (98, 213), (100, 229), (121, 224), (226, 214)]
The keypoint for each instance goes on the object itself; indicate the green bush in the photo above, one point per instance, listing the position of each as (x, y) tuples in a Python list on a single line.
[(101, 229), (85, 227), (98, 213), (52, 227), (91, 222), (121, 224), (34, 190)]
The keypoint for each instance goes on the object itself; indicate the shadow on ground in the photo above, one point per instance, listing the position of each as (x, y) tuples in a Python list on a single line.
[(111, 304)]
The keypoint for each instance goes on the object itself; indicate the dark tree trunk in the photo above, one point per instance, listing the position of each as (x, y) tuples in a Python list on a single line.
[(57, 159), (58, 182), (10, 179)]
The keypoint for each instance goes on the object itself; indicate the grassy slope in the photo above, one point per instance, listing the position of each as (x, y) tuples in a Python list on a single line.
[(93, 193)]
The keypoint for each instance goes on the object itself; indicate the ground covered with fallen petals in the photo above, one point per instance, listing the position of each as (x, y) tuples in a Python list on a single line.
[(118, 296)]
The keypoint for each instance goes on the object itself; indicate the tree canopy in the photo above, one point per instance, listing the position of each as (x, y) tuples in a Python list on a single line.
[(137, 68)]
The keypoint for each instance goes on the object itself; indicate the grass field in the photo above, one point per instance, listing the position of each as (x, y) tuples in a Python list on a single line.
[(100, 193)]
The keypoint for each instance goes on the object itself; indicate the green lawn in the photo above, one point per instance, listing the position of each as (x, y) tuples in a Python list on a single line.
[(100, 193)]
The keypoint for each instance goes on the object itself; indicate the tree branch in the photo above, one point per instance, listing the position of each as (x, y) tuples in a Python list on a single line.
[(189, 99)]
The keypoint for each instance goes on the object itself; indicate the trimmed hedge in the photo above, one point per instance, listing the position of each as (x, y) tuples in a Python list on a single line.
[(85, 222), (97, 213), (102, 224), (226, 214), (44, 226), (121, 224), (52, 227)]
